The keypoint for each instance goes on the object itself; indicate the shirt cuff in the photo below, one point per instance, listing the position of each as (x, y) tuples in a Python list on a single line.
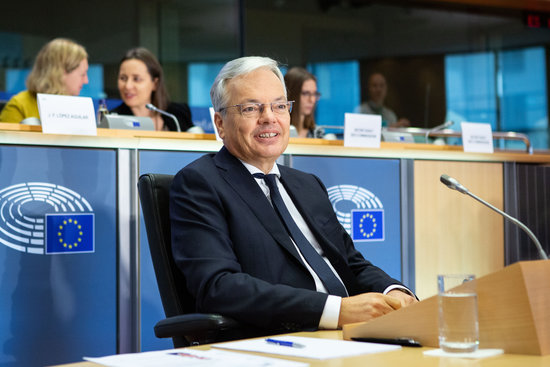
[(331, 313), (400, 287)]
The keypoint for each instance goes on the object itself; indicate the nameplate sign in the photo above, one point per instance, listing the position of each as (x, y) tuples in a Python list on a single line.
[(69, 115), (362, 130), (477, 137)]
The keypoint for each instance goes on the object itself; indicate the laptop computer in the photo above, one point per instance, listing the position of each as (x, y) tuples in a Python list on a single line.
[(112, 121), (397, 136)]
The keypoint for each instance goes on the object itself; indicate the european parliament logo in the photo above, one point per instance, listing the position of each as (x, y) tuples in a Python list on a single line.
[(360, 212), (43, 218)]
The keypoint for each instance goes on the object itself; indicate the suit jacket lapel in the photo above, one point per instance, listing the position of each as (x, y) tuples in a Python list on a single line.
[(239, 178), (300, 198)]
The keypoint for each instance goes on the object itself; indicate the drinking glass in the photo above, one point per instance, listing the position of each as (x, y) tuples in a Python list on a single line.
[(458, 322)]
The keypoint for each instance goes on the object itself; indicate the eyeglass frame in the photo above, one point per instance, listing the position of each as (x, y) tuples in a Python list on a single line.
[(308, 94), (261, 105)]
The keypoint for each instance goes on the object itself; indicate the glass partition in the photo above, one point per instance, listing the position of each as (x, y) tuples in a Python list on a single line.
[(413, 43)]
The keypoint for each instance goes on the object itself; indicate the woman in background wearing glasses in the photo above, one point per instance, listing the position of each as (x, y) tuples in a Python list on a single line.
[(301, 86)]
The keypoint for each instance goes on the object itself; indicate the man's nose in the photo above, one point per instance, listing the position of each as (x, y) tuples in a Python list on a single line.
[(267, 112)]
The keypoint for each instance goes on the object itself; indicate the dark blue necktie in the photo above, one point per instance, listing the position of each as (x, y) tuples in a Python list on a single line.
[(333, 285)]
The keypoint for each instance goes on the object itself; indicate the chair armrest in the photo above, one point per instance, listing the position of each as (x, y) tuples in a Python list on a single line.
[(193, 324)]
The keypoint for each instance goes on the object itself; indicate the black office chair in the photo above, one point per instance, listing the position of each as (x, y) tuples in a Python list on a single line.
[(182, 324)]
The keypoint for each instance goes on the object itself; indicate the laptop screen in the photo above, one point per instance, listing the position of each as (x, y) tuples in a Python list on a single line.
[(395, 136), (128, 122)]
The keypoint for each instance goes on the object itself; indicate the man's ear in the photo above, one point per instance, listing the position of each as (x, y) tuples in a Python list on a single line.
[(218, 121)]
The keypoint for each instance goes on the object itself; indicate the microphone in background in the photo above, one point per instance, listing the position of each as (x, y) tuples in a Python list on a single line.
[(444, 125), (318, 132), (153, 108), (455, 185)]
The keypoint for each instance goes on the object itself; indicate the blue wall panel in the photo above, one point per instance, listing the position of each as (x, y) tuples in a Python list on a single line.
[(56, 308), (381, 178)]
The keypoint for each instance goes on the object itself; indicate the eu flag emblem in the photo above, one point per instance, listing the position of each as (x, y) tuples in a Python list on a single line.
[(367, 225), (69, 233)]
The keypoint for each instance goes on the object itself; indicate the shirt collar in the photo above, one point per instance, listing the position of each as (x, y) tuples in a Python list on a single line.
[(252, 169)]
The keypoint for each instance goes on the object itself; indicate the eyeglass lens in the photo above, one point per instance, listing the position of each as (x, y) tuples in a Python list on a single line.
[(256, 109), (311, 94)]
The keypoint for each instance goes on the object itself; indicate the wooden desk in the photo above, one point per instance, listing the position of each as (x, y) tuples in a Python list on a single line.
[(441, 230), (409, 357)]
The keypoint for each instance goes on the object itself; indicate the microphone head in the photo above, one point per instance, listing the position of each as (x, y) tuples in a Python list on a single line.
[(446, 180), (452, 183), (150, 107)]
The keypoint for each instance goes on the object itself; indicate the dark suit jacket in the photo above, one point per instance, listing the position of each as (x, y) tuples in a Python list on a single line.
[(180, 110), (235, 252)]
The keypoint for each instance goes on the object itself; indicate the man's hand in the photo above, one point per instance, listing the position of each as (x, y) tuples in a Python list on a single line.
[(366, 306), (405, 298)]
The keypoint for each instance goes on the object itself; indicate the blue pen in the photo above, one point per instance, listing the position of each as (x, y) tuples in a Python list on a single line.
[(284, 343)]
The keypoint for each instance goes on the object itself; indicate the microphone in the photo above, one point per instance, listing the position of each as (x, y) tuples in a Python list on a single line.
[(318, 132), (444, 125), (153, 108), (455, 185)]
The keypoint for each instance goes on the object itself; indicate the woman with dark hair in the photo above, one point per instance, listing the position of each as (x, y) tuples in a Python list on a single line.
[(140, 82), (301, 86)]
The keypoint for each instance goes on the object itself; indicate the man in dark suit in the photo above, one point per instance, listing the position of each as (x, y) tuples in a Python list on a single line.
[(238, 251)]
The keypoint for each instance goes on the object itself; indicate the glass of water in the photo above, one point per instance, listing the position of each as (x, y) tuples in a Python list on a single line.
[(458, 323)]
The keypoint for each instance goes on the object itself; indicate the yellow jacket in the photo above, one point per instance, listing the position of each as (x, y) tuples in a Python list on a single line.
[(20, 107)]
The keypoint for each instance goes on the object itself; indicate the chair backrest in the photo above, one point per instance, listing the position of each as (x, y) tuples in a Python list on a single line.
[(154, 194)]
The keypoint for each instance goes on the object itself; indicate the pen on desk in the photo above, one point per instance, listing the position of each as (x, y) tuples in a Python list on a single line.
[(284, 343)]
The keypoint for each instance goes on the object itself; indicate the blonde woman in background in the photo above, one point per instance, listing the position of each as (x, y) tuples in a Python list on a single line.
[(61, 67)]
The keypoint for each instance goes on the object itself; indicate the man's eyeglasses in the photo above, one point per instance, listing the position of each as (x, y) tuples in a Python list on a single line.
[(308, 94), (255, 110)]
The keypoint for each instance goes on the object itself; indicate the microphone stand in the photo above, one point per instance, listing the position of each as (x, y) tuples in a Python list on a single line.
[(438, 127), (154, 108), (455, 185)]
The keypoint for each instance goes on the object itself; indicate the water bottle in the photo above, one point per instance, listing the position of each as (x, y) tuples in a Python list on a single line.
[(101, 111)]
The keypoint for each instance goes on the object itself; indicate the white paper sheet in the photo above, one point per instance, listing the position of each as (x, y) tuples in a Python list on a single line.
[(191, 358), (313, 347)]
